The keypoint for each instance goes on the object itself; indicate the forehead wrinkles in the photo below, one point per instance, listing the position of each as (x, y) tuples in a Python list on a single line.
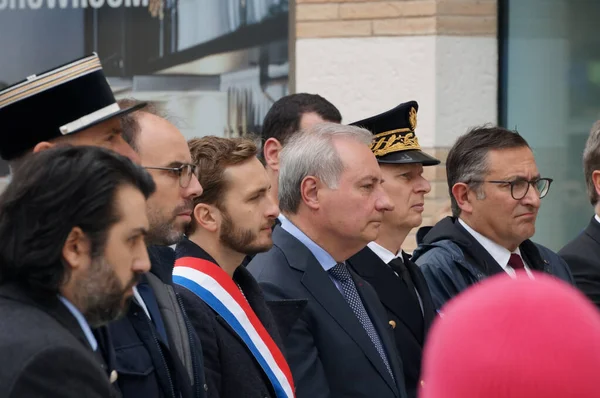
[(524, 168)]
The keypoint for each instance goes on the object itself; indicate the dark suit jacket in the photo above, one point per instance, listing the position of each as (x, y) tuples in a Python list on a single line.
[(231, 369), (45, 352), (328, 350), (394, 295), (149, 366), (582, 255)]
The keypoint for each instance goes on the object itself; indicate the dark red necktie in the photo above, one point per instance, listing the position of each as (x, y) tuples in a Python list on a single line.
[(516, 262)]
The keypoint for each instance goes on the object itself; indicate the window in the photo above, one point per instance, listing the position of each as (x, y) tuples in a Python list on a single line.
[(550, 92)]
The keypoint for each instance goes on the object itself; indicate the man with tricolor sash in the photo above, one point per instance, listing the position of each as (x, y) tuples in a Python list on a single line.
[(231, 219)]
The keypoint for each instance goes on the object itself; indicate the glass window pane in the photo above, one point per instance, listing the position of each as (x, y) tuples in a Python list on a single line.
[(550, 81)]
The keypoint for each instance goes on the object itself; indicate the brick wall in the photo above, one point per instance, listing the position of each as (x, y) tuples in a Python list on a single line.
[(360, 18)]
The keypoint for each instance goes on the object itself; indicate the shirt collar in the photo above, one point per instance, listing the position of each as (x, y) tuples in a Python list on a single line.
[(597, 218), (384, 254), (498, 253), (324, 258), (82, 322)]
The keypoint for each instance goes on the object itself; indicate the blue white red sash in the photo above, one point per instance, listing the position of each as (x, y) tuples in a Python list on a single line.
[(209, 282)]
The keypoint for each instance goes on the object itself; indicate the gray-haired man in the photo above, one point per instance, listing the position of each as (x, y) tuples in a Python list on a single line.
[(332, 203)]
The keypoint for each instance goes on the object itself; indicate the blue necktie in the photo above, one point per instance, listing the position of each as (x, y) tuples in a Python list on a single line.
[(342, 275), (150, 300)]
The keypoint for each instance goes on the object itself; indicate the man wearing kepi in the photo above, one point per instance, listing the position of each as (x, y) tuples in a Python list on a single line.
[(232, 218), (332, 204), (398, 281), (70, 104), (72, 226)]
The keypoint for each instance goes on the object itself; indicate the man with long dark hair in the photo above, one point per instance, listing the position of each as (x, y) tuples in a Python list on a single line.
[(72, 226)]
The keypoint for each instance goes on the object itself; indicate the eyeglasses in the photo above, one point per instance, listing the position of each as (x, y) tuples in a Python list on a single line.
[(520, 186), (184, 172)]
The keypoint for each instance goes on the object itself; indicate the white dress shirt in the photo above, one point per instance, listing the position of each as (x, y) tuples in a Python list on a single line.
[(498, 253)]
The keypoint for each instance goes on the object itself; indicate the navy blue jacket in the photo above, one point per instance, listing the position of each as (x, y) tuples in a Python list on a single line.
[(146, 366), (452, 260)]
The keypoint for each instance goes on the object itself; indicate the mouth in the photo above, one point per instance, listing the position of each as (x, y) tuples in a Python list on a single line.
[(526, 215), (268, 227), (418, 206)]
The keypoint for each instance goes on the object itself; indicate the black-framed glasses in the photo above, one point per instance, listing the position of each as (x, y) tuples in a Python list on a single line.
[(184, 172), (520, 186)]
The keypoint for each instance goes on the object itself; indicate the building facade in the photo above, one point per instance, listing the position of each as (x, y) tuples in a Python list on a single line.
[(368, 56), (530, 65)]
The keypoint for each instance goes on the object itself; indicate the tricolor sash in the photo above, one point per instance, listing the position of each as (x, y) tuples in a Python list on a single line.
[(209, 282)]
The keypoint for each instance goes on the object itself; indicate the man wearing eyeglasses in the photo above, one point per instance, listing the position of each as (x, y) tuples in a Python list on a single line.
[(496, 191), (158, 353)]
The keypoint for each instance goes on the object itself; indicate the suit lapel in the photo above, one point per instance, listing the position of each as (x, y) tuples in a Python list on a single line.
[(423, 289), (56, 309), (392, 291), (322, 288), (593, 230), (369, 301)]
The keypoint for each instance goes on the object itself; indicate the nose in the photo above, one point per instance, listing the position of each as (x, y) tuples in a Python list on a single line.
[(272, 208), (141, 264), (194, 189), (532, 198), (423, 185), (383, 202), (123, 148)]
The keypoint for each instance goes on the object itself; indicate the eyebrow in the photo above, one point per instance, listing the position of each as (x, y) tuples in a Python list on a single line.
[(257, 191), (139, 231), (520, 177), (371, 178), (177, 163)]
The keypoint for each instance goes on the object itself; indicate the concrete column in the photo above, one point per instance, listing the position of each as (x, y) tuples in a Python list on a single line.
[(368, 56)]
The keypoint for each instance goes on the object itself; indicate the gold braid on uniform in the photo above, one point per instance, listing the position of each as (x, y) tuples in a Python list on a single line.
[(394, 140)]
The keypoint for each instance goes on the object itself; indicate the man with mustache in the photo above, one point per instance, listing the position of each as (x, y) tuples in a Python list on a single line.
[(72, 224), (496, 191), (71, 104), (158, 354), (232, 218), (398, 281)]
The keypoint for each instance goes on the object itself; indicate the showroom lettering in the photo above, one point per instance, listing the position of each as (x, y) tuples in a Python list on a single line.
[(37, 4)]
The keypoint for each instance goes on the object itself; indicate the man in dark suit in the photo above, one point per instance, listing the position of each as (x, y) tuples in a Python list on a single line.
[(157, 352), (332, 204), (582, 254), (287, 116), (72, 229), (232, 218), (398, 281), (496, 193)]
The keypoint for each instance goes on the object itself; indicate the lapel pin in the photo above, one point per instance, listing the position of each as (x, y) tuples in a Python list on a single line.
[(392, 324), (113, 376)]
